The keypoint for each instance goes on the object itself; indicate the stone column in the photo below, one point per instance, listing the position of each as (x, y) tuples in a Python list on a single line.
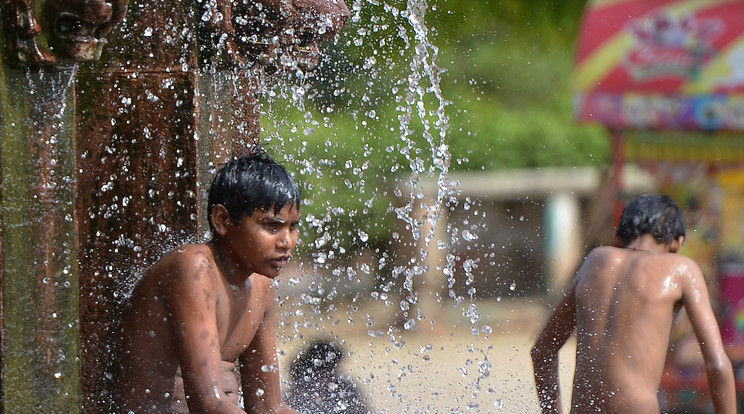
[(563, 240), (104, 167), (152, 125), (40, 365), (105, 158)]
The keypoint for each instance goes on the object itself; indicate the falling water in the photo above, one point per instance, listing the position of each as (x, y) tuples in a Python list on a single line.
[(345, 268), (37, 188)]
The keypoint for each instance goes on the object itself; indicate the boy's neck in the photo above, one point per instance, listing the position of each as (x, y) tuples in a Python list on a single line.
[(648, 243), (230, 271)]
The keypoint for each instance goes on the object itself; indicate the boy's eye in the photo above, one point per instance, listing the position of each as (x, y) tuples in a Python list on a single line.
[(273, 227), (276, 226)]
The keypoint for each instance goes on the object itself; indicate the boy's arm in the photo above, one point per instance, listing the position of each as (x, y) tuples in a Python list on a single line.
[(193, 320), (554, 335), (259, 366), (704, 324)]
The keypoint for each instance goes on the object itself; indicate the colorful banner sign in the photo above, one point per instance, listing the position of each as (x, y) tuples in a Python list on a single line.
[(662, 64), (721, 149)]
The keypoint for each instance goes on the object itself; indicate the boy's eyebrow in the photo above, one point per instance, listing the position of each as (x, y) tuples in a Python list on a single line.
[(274, 219)]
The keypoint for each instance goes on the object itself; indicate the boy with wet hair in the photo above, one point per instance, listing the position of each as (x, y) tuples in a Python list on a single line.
[(206, 310), (622, 304)]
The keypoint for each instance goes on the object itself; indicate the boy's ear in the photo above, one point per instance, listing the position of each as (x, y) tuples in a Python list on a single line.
[(677, 244), (221, 219)]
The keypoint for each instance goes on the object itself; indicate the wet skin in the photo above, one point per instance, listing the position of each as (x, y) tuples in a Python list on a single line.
[(201, 308), (622, 304)]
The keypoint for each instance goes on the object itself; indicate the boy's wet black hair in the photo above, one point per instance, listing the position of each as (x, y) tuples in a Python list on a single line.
[(653, 214), (250, 182)]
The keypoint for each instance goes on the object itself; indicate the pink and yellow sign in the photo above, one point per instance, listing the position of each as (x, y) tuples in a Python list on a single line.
[(661, 64)]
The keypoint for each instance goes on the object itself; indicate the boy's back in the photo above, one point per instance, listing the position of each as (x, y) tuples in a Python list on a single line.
[(622, 304), (626, 301)]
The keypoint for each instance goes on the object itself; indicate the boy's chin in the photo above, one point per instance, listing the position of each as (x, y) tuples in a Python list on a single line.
[(270, 273)]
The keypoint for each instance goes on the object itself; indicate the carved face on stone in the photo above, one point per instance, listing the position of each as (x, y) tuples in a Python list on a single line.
[(257, 25), (280, 35), (76, 28), (316, 21)]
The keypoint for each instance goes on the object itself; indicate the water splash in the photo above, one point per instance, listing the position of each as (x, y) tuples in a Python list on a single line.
[(395, 157)]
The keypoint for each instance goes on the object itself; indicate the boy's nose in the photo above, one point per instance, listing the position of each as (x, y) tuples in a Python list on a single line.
[(285, 240)]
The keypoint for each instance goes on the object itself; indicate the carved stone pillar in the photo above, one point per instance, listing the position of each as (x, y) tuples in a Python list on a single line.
[(105, 162), (40, 364)]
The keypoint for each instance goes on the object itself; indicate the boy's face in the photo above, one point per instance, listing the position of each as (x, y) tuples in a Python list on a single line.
[(263, 242)]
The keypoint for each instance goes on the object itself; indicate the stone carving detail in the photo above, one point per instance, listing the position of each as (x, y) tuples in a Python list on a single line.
[(73, 29), (316, 21), (21, 30), (280, 35), (243, 32)]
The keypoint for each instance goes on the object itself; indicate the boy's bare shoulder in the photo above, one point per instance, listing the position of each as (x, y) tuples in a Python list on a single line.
[(185, 258), (603, 253), (604, 250), (684, 265), (672, 261), (190, 253)]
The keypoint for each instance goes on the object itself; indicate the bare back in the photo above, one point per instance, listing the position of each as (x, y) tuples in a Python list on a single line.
[(219, 321), (622, 304), (625, 303)]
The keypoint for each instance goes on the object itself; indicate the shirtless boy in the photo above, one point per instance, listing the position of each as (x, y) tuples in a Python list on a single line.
[(622, 304), (203, 307)]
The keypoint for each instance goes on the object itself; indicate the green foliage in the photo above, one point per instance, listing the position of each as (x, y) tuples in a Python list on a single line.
[(347, 172), (549, 23), (499, 137), (510, 82)]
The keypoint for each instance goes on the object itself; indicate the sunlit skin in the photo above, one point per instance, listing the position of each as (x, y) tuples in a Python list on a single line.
[(203, 307), (622, 303)]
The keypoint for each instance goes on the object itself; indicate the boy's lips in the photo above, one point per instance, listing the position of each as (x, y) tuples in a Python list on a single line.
[(279, 262)]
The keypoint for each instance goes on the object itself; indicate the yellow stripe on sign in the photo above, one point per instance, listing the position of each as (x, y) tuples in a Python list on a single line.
[(690, 6), (607, 3), (727, 65), (601, 62), (605, 58)]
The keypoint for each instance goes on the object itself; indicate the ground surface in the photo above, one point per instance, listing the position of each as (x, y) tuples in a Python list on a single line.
[(449, 366)]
